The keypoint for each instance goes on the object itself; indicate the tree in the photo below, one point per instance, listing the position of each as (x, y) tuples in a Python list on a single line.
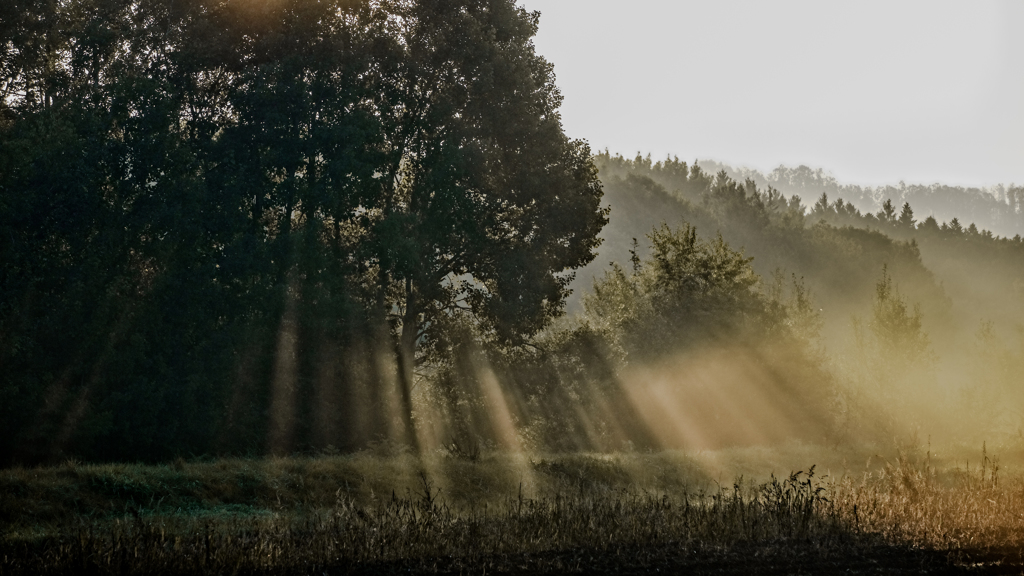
[(896, 349), (955, 226), (821, 207), (887, 215), (906, 219), (185, 182), (486, 205), (897, 329), (930, 225), (689, 291)]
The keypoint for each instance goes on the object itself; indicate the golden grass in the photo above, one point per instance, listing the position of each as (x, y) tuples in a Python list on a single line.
[(396, 512)]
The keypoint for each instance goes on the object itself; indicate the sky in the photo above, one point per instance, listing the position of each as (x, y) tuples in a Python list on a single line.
[(875, 92)]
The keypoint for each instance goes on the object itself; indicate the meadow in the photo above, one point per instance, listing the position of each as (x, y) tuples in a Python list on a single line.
[(384, 510)]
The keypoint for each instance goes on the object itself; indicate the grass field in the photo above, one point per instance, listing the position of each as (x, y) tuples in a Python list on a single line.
[(385, 511)]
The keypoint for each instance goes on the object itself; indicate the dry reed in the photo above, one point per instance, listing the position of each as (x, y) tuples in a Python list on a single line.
[(907, 513)]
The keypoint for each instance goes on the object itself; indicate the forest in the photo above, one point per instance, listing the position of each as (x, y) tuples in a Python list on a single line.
[(264, 262), (995, 208), (212, 213)]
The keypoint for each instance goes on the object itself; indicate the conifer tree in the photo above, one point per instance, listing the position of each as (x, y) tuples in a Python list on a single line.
[(906, 219)]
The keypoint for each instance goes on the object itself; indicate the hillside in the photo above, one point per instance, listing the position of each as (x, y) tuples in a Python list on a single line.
[(999, 208), (958, 273), (964, 285)]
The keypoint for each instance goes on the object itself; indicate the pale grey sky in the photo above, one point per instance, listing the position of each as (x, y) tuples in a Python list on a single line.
[(874, 91)]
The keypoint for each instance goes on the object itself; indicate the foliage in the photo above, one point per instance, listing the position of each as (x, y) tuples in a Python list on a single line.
[(215, 217), (891, 365), (837, 262), (997, 208), (690, 298), (239, 228), (689, 290), (897, 331)]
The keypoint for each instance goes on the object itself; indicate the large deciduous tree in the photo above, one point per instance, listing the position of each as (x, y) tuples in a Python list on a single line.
[(177, 173), (485, 203)]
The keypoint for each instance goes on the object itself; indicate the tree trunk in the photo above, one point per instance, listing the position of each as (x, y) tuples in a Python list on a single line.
[(407, 362)]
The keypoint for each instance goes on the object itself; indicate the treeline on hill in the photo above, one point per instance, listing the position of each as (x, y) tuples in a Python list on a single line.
[(959, 287), (840, 264), (835, 247), (999, 208)]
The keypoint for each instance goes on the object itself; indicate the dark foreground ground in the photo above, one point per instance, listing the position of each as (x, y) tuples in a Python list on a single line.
[(743, 560), (752, 560)]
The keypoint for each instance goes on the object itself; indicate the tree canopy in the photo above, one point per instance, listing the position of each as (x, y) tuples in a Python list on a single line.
[(197, 196)]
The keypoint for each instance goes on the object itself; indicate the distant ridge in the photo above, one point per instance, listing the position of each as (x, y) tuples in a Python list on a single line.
[(999, 208)]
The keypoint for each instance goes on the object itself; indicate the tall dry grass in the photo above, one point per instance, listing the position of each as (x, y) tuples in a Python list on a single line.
[(588, 512)]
